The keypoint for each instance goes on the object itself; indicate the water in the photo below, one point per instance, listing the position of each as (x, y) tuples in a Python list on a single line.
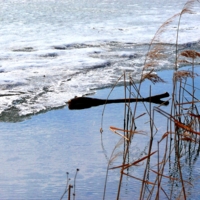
[(36, 153), (51, 51)]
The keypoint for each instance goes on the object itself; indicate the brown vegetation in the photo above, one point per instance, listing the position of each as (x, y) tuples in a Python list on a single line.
[(169, 153), (168, 158)]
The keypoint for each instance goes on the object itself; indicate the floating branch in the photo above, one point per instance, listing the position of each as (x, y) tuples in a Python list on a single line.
[(86, 102)]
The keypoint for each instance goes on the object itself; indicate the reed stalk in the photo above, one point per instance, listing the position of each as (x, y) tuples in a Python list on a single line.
[(181, 139)]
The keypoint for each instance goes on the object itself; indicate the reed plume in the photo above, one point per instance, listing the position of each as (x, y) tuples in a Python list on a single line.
[(169, 153)]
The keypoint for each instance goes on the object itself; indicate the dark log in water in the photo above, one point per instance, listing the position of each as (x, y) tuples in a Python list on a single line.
[(87, 102)]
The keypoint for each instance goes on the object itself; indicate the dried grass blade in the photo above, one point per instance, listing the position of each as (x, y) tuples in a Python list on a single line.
[(121, 135), (165, 193), (125, 166), (147, 182), (193, 115), (180, 125), (188, 139), (114, 129), (120, 166), (140, 116), (169, 177), (158, 164), (189, 102), (112, 159), (141, 159), (165, 135)]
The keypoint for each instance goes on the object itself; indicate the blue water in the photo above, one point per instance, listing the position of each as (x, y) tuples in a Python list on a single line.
[(37, 152), (51, 51)]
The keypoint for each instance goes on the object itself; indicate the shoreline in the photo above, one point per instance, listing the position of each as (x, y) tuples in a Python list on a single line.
[(46, 146), (11, 116)]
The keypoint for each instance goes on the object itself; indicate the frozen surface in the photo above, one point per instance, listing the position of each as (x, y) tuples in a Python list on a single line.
[(51, 51)]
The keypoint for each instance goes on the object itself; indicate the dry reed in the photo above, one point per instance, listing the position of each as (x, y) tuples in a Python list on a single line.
[(177, 149)]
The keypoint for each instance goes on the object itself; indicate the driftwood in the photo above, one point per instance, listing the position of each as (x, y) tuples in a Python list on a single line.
[(87, 102)]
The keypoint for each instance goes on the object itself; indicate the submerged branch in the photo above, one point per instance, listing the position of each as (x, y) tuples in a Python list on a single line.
[(86, 102)]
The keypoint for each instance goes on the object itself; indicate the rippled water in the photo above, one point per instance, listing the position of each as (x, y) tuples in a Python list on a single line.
[(51, 51), (36, 153)]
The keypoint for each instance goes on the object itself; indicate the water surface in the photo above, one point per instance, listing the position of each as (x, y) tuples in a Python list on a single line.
[(51, 51)]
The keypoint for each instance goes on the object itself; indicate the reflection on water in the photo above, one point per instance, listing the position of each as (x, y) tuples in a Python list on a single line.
[(36, 153)]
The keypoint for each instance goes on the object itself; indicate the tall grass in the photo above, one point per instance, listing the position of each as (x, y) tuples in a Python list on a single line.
[(173, 150)]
